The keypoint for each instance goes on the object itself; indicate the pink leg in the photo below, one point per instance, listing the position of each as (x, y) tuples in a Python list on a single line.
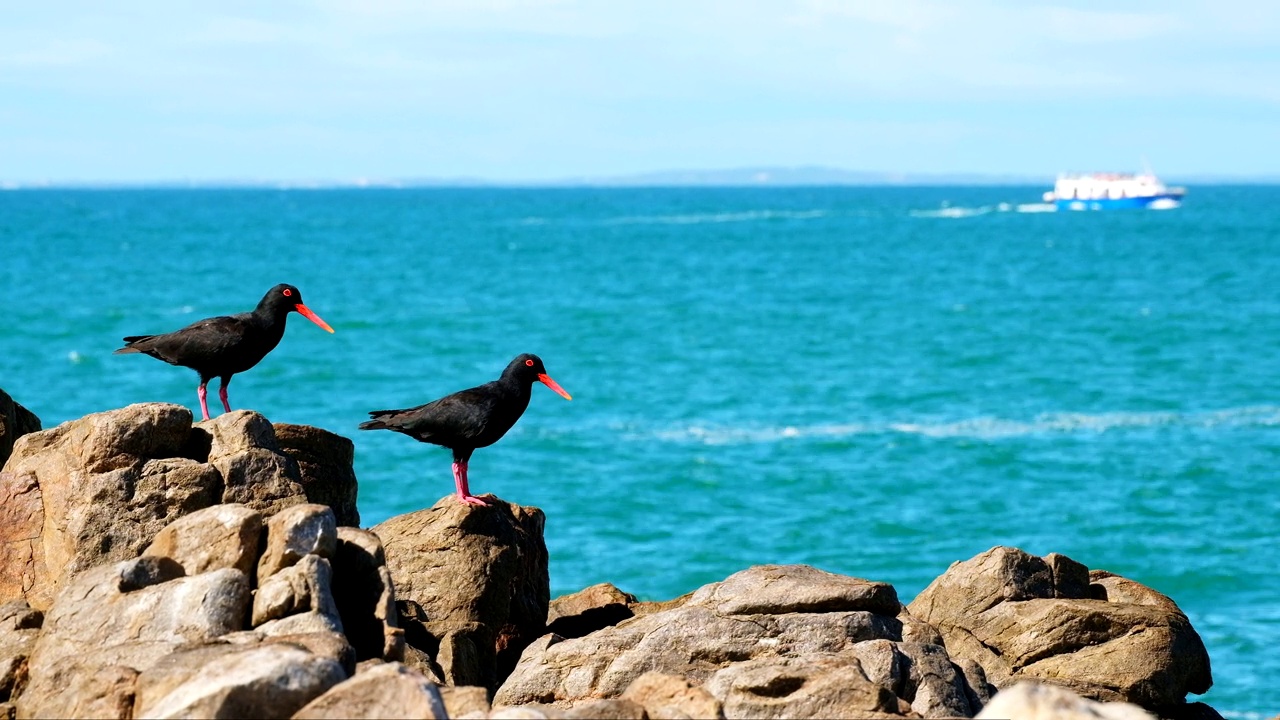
[(460, 481), (204, 405), (222, 393)]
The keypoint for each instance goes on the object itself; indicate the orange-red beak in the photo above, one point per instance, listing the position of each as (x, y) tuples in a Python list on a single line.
[(305, 312), (546, 380)]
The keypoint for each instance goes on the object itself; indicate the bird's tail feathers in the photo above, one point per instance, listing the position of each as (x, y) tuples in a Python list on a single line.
[(131, 339)]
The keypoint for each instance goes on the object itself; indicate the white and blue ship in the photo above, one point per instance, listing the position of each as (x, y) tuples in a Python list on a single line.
[(1113, 191)]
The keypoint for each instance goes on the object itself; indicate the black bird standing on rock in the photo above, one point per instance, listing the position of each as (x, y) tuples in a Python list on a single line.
[(226, 345), (470, 419)]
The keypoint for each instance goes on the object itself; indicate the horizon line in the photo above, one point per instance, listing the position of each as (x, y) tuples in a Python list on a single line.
[(805, 176)]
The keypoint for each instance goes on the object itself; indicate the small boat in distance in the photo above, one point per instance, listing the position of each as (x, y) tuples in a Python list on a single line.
[(1113, 191)]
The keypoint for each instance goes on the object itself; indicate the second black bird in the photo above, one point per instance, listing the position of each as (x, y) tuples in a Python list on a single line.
[(470, 419)]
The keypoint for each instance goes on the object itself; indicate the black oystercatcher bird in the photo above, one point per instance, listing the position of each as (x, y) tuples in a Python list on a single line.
[(470, 419), (226, 345)]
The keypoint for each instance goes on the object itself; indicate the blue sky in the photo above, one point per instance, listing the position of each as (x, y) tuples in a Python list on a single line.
[(513, 90)]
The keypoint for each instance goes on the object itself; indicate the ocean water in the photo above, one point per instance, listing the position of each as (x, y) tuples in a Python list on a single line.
[(875, 381)]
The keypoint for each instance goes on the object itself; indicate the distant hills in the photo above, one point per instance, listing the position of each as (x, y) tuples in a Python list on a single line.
[(809, 175)]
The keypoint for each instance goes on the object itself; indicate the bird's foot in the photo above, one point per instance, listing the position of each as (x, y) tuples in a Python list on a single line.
[(472, 500)]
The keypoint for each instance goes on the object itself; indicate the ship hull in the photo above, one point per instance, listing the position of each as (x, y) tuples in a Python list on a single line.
[(1163, 201)]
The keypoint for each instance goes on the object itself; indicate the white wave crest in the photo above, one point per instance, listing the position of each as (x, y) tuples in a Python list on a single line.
[(985, 427)]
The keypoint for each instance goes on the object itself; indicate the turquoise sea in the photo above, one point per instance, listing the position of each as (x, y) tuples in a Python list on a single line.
[(875, 381)]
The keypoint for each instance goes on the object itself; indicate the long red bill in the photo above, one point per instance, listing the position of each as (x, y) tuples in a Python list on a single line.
[(306, 313), (546, 380)]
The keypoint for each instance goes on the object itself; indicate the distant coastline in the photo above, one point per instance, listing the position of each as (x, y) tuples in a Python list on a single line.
[(805, 176)]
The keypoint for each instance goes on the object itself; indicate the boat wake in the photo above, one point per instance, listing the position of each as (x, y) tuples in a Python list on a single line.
[(745, 216), (948, 211), (984, 427)]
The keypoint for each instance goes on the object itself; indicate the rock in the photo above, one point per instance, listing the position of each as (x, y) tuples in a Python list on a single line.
[(73, 690), (15, 421), (924, 675), (588, 610), (1037, 701), (227, 681), (19, 626), (222, 536), (295, 532), (254, 471), (365, 595), (670, 696), (331, 645), (94, 490), (479, 574), (697, 639), (299, 588), (780, 589), (389, 690), (1003, 609), (95, 629), (619, 709), (460, 700), (325, 468), (815, 686)]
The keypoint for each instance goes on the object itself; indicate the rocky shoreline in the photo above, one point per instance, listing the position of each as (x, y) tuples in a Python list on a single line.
[(152, 567)]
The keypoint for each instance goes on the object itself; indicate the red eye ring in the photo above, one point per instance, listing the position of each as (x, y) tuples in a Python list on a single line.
[(288, 292), (529, 363)]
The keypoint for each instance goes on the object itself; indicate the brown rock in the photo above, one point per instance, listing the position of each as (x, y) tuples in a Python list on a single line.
[(816, 686), (295, 532), (1037, 701), (228, 681), (365, 595), (460, 700), (325, 468), (19, 626), (670, 697), (697, 639), (1001, 609), (620, 709), (15, 421), (588, 610), (299, 588), (479, 574), (254, 470), (222, 536), (96, 637), (779, 589), (74, 690), (389, 690), (94, 490)]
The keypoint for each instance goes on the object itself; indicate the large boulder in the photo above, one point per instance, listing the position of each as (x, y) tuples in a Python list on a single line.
[(751, 641), (99, 489), (15, 421), (324, 467), (113, 621), (234, 681), (1048, 619), (473, 584), (1037, 701), (389, 690), (94, 490), (365, 596)]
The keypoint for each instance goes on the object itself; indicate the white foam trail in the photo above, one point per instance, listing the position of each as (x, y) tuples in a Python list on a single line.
[(985, 427), (952, 212), (1037, 208), (724, 217)]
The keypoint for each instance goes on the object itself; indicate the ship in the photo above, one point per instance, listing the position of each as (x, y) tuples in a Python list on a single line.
[(1113, 191)]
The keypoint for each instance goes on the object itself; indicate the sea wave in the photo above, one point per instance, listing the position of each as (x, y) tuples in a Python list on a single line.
[(982, 427)]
